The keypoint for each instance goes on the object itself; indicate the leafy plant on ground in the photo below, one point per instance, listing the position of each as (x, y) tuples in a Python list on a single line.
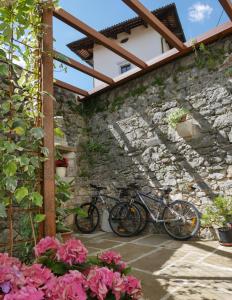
[(218, 213), (176, 117), (63, 195)]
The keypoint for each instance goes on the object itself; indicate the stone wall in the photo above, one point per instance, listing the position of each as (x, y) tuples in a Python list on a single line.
[(126, 137)]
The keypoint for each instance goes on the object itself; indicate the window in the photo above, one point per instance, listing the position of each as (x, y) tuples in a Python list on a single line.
[(125, 68)]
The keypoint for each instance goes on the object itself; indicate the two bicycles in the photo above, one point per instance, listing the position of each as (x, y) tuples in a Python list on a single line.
[(180, 219)]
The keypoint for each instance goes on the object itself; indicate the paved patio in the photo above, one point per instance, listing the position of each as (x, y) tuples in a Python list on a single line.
[(169, 269)]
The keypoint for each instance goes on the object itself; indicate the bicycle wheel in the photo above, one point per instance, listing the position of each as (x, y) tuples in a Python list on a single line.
[(181, 220), (144, 214), (88, 224), (125, 219)]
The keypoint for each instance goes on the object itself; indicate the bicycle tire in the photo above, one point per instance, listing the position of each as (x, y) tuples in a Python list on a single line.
[(119, 218), (195, 220), (91, 209), (144, 216)]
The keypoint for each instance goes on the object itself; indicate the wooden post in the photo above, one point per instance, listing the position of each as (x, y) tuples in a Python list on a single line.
[(48, 123)]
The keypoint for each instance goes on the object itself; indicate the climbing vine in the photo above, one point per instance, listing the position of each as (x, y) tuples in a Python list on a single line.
[(21, 134)]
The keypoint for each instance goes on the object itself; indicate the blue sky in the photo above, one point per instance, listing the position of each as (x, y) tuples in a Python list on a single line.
[(197, 17)]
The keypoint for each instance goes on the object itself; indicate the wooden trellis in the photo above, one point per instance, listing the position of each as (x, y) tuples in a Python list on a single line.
[(180, 49)]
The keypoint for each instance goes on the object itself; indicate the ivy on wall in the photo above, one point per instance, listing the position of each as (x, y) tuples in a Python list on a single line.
[(21, 133)]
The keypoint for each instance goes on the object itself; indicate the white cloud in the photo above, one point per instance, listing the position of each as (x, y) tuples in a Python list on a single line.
[(199, 12)]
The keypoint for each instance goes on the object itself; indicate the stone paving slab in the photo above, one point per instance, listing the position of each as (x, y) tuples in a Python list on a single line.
[(172, 270)]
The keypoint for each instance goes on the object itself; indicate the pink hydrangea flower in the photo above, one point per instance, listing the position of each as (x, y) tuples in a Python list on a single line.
[(48, 243), (26, 293), (11, 275), (72, 252), (36, 275), (100, 281), (110, 257), (6, 260), (71, 286), (118, 285), (133, 287)]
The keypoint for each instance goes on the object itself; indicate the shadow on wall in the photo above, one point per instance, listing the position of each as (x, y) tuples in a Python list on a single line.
[(154, 155)]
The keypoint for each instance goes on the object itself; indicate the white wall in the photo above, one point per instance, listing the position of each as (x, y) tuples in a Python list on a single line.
[(143, 42)]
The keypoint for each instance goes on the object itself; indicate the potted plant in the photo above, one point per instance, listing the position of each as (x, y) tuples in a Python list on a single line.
[(63, 195), (219, 215), (177, 116), (61, 167)]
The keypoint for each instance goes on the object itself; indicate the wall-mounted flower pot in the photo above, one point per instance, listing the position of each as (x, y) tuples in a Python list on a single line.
[(61, 171), (188, 129), (225, 236)]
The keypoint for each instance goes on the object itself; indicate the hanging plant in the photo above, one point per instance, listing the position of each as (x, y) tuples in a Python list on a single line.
[(177, 116)]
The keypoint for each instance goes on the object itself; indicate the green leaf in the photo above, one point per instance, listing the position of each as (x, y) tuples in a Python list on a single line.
[(4, 70), (79, 211), (37, 199), (45, 151), (39, 218), (23, 160), (9, 146), (2, 53), (19, 131), (21, 193), (35, 161), (59, 268), (127, 271), (31, 170), (58, 132), (2, 211), (10, 168), (19, 127), (5, 106), (11, 184), (37, 133)]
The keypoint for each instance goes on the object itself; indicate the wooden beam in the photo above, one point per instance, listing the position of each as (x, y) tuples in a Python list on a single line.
[(80, 67), (48, 124), (227, 5), (70, 88), (72, 21), (155, 23)]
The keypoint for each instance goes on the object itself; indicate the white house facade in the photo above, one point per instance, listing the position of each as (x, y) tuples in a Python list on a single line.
[(136, 36), (144, 42)]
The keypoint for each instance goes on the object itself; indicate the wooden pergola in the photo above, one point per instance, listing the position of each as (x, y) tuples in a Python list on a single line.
[(180, 49)]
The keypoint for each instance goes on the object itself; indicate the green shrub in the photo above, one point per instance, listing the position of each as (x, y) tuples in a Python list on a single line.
[(218, 213)]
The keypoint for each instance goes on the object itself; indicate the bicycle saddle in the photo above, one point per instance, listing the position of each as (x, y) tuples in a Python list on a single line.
[(99, 188)]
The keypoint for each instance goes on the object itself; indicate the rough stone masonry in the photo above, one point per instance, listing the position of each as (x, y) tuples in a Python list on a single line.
[(123, 136)]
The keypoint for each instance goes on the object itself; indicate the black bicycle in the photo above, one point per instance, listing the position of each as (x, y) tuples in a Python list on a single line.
[(90, 222), (181, 219)]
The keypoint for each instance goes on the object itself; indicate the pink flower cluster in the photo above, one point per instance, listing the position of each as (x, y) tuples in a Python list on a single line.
[(101, 281), (72, 252), (37, 282), (112, 258)]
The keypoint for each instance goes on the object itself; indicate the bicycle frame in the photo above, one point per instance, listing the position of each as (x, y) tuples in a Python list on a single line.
[(102, 198), (160, 200)]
